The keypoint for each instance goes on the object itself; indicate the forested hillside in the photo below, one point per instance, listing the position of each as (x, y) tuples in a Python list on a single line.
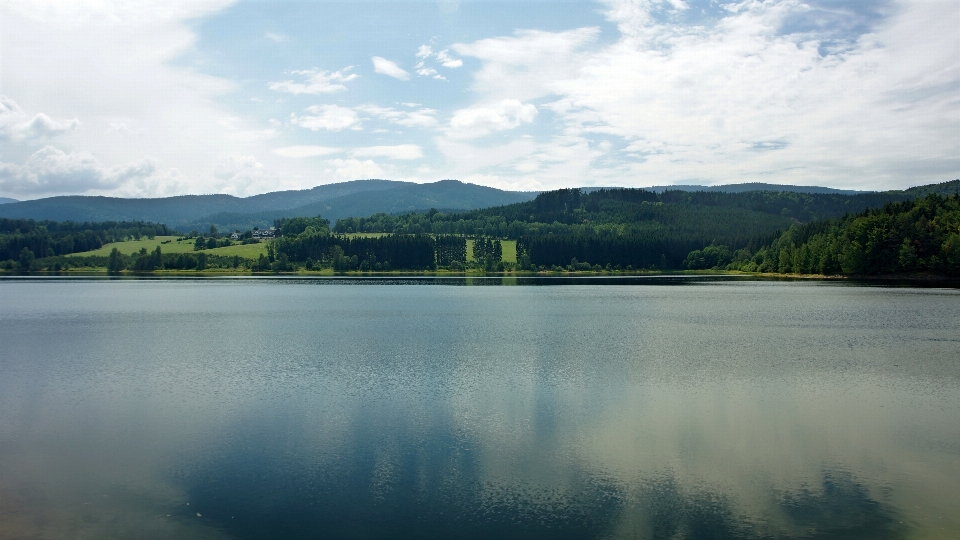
[(24, 240), (922, 235), (226, 212), (635, 228)]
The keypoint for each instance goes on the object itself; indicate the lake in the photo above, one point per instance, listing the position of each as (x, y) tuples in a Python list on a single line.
[(636, 408)]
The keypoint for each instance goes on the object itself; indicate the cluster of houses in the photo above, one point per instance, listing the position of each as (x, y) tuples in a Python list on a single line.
[(257, 233)]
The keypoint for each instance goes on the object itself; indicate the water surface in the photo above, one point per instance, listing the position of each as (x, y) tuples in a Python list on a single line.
[(679, 408)]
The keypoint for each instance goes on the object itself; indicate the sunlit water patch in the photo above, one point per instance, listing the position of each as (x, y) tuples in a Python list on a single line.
[(300, 409)]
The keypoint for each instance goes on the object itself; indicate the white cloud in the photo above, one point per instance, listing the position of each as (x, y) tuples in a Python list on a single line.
[(400, 151), (123, 129), (229, 166), (51, 171), (328, 117), (305, 151), (16, 125), (114, 66), (424, 52), (317, 82), (447, 61), (276, 38), (352, 169), (429, 72), (386, 67), (481, 120), (529, 64), (737, 100), (422, 118)]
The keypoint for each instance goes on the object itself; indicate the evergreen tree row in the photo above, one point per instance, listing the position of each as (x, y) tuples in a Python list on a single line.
[(450, 250), (397, 251)]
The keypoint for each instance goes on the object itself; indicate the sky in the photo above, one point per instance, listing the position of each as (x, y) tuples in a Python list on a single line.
[(158, 98)]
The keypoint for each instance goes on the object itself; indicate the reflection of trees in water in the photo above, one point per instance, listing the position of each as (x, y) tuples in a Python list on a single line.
[(840, 509), (436, 490), (256, 494), (387, 481)]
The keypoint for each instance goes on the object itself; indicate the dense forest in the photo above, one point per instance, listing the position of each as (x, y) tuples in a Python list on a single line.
[(635, 228), (922, 235), (27, 240), (317, 248), (896, 232)]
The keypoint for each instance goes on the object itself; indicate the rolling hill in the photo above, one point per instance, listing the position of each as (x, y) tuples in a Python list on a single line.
[(756, 186), (358, 197)]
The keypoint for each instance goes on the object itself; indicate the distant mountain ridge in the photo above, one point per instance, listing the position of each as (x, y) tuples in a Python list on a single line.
[(333, 201), (757, 186), (357, 198)]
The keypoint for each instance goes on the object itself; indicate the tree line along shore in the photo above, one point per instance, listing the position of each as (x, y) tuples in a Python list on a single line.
[(913, 232)]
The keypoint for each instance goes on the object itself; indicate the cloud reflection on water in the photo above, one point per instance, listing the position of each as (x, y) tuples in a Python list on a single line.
[(620, 412)]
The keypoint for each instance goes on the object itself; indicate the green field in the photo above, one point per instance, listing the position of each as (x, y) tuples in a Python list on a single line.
[(366, 234), (249, 251), (509, 250), (509, 246)]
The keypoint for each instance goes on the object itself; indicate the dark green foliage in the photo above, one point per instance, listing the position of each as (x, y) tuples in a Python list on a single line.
[(115, 262), (414, 252), (146, 262), (26, 262), (297, 225), (635, 227), (50, 238), (450, 250), (708, 257), (210, 243), (142, 261), (921, 235), (488, 253)]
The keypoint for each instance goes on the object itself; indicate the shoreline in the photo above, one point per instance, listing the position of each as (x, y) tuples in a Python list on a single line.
[(923, 278)]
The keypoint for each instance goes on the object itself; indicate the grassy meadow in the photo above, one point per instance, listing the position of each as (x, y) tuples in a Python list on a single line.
[(249, 251), (509, 250), (170, 244)]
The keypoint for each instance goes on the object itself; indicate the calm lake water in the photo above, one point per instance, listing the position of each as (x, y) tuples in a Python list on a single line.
[(686, 408)]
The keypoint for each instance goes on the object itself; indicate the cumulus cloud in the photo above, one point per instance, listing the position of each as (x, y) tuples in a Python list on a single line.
[(743, 98), (52, 171), (425, 52), (481, 120), (400, 151), (448, 61), (114, 65), (429, 72), (422, 118), (530, 64), (386, 67), (305, 151), (239, 173), (16, 125), (327, 117), (316, 81), (352, 169), (471, 160)]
